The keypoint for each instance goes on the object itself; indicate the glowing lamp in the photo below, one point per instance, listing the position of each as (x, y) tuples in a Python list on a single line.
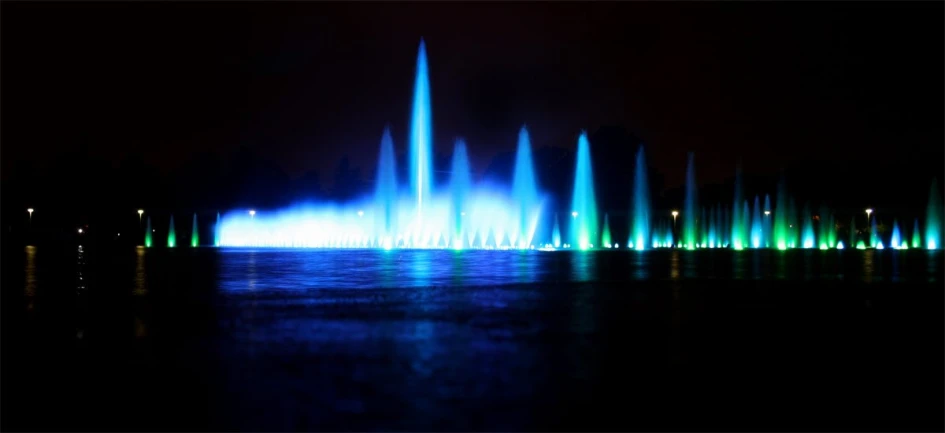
[(30, 210), (767, 212), (574, 214), (360, 213), (80, 231)]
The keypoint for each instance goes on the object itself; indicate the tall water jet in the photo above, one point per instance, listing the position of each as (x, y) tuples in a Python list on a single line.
[(583, 202), (712, 229), (725, 227), (421, 137), (703, 230), (873, 233), (916, 235), (756, 226), (216, 232), (385, 192), (556, 233), (831, 230), (525, 190), (640, 232), (781, 212), (689, 207), (822, 226), (794, 231), (807, 228), (171, 236), (895, 240), (460, 184), (194, 233), (147, 233), (746, 216), (933, 219), (767, 236), (605, 236), (739, 238)]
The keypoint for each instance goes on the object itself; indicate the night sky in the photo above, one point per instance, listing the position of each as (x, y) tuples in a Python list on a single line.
[(306, 83)]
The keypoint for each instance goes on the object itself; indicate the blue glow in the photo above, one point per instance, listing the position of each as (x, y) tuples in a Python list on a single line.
[(896, 239), (756, 228), (556, 233), (421, 137), (640, 230), (689, 234), (525, 190), (583, 202)]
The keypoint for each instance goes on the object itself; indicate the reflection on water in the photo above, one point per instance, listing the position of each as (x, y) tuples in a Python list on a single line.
[(141, 280), (290, 270)]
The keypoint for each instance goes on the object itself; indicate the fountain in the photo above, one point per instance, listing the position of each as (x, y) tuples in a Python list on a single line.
[(583, 202), (385, 191), (689, 207), (171, 236), (556, 233), (421, 140), (933, 219), (640, 231), (739, 225), (605, 235), (916, 235), (216, 232), (807, 229), (756, 226), (194, 233), (525, 191), (147, 233), (466, 214), (895, 239)]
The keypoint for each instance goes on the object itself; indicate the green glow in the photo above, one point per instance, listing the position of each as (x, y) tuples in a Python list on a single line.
[(781, 229), (904, 246), (216, 232), (605, 238), (584, 223), (916, 236), (933, 219), (703, 230), (689, 216), (823, 246), (831, 230), (147, 234), (860, 245), (171, 237), (194, 233)]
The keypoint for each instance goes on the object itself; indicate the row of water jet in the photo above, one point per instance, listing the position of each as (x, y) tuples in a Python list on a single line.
[(464, 214)]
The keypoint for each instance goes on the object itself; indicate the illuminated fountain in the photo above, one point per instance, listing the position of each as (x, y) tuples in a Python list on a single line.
[(194, 233), (171, 235), (583, 202), (689, 235), (147, 233), (933, 219), (415, 212), (640, 230)]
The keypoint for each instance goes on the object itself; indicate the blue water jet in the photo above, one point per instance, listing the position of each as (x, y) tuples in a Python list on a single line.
[(421, 138), (934, 218), (895, 240), (807, 228), (556, 233), (460, 184), (757, 231), (584, 232), (640, 230), (525, 191), (385, 191), (766, 219), (690, 206)]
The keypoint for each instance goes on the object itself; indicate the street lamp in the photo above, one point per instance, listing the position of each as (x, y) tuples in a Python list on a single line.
[(868, 212), (574, 214), (30, 210), (140, 212), (675, 214), (360, 213), (252, 213), (767, 212)]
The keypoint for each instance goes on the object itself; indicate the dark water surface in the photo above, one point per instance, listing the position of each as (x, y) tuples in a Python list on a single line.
[(198, 339)]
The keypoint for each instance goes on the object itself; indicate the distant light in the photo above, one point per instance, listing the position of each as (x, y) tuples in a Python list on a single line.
[(80, 231), (30, 210), (869, 211), (767, 212), (360, 213), (153, 231), (574, 214), (675, 213), (462, 213), (119, 234), (840, 245), (252, 213), (140, 211)]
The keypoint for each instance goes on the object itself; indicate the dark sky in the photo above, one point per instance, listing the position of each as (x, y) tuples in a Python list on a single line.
[(306, 83)]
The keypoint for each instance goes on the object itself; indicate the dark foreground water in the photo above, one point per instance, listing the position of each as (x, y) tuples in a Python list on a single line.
[(204, 339)]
